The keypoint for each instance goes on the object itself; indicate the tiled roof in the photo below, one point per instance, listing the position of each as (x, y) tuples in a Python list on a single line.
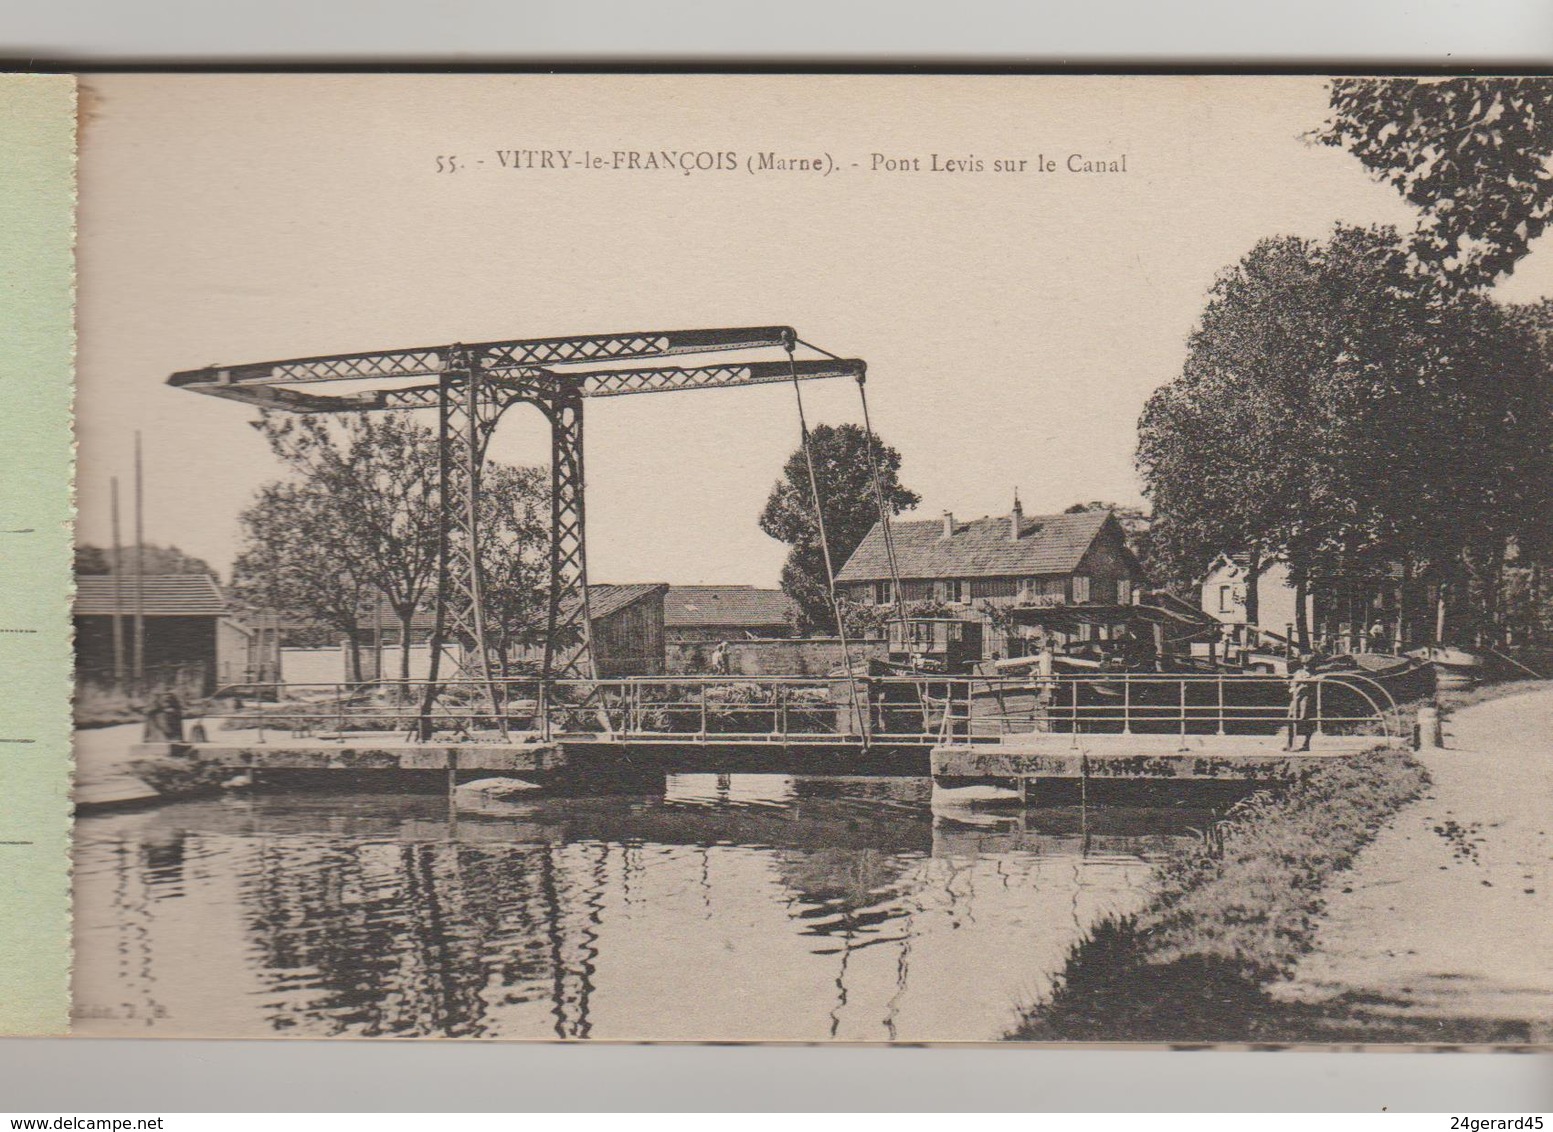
[(980, 548), (163, 595), (603, 600), (691, 606)]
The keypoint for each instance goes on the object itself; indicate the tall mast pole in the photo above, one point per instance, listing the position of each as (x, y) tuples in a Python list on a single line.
[(116, 568), (140, 580)]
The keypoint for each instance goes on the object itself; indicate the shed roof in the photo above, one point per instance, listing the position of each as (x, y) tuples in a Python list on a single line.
[(979, 548), (605, 600), (745, 606), (162, 595)]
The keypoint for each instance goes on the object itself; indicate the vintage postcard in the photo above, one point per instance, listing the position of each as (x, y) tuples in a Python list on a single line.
[(1050, 558)]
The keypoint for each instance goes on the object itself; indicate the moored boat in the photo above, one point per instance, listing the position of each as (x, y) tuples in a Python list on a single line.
[(1453, 668), (1403, 678)]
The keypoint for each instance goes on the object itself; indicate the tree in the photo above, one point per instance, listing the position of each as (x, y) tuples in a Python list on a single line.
[(381, 474), (366, 488), (847, 501), (1525, 605), (1227, 450), (90, 560), (1323, 394), (515, 562), (298, 556), (1470, 153)]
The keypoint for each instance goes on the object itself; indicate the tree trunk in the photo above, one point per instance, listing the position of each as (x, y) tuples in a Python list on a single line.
[(1496, 611), (1301, 618), (1454, 616), (1439, 612), (1534, 624), (1253, 591), (353, 655), (1402, 638), (405, 622)]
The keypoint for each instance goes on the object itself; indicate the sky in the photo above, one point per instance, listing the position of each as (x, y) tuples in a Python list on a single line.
[(1014, 324)]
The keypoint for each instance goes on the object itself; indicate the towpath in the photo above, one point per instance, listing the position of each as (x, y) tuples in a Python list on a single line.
[(1445, 923), (102, 771)]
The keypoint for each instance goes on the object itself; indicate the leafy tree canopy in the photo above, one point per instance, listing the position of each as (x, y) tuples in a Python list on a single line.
[(515, 520), (381, 472), (298, 557), (1470, 153), (846, 491), (363, 503), (1337, 410), (156, 560)]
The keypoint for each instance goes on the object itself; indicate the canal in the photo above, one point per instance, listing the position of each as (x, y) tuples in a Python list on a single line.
[(742, 907)]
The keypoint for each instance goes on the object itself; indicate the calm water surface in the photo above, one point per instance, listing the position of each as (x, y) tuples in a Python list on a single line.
[(733, 907)]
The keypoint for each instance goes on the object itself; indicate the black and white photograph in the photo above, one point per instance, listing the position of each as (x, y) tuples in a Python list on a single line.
[(868, 558)]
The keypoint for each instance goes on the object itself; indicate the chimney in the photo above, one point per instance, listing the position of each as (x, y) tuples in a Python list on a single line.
[(948, 524), (1016, 519)]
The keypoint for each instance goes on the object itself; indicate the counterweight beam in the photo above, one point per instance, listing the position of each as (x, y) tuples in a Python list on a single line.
[(433, 361), (520, 381)]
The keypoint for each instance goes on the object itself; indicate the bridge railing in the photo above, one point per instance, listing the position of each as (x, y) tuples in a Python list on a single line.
[(1139, 703), (922, 709)]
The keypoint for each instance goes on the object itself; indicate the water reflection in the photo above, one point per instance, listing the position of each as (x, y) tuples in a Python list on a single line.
[(733, 907)]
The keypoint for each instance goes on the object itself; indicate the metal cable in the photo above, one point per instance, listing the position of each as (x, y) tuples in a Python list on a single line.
[(819, 518), (884, 512)]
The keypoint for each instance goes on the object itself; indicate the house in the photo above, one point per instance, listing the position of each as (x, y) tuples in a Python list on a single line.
[(1341, 611), (697, 614), (195, 640), (1070, 576), (1230, 592)]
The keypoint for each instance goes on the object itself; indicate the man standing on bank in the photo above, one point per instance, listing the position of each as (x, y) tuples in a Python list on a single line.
[(1302, 700)]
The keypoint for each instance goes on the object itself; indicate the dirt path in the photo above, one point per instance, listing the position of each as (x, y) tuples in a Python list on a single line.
[(1447, 917)]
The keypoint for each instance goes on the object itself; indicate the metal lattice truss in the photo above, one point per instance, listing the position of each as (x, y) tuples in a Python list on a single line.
[(471, 387)]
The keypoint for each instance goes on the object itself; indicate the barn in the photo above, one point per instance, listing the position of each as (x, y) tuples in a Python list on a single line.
[(194, 641), (627, 628)]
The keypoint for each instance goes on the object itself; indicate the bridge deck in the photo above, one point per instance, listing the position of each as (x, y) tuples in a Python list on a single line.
[(1027, 756), (365, 752), (1222, 758)]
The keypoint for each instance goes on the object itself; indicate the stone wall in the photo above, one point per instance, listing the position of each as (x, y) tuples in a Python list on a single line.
[(803, 656)]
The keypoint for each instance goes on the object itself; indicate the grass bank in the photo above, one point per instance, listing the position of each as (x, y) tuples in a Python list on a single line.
[(1457, 699), (1229, 915), (99, 707)]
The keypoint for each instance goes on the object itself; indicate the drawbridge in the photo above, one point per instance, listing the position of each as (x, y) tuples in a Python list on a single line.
[(471, 387)]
